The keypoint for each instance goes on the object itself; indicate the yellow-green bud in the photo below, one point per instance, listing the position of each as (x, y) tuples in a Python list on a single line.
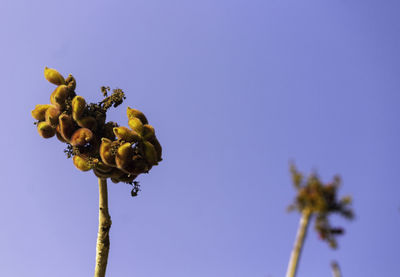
[(39, 112), (71, 82), (125, 134), (150, 153), (58, 134), (82, 163), (66, 126), (53, 76), (78, 107), (131, 113), (106, 155), (148, 132), (140, 165), (52, 114), (59, 95), (124, 157), (87, 122), (81, 136), (158, 148), (136, 125), (102, 171), (45, 130)]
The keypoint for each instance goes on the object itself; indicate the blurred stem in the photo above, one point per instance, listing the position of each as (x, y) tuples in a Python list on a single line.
[(298, 245), (336, 270), (103, 239)]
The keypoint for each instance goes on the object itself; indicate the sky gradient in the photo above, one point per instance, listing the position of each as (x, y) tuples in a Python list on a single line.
[(235, 90)]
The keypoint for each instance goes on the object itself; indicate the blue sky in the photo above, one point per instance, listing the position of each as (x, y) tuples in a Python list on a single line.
[(235, 90)]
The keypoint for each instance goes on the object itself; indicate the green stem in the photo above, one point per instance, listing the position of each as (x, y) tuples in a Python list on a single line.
[(298, 245), (103, 239)]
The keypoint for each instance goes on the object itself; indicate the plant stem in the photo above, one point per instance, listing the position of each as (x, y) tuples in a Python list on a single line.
[(298, 245), (336, 270), (103, 239)]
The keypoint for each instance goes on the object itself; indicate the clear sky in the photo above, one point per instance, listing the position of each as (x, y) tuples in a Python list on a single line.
[(235, 90)]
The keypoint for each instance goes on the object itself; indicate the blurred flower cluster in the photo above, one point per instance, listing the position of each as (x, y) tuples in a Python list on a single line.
[(320, 200), (111, 151)]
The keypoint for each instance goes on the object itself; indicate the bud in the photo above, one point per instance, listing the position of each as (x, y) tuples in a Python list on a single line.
[(58, 135), (45, 130), (53, 76), (140, 165), (125, 134), (78, 107), (124, 157), (150, 153), (158, 148), (100, 166), (131, 113), (102, 171), (81, 136), (136, 125), (100, 174), (66, 126), (59, 95), (51, 115), (71, 82), (87, 122), (39, 112), (117, 173), (115, 180), (148, 132), (106, 155), (82, 163)]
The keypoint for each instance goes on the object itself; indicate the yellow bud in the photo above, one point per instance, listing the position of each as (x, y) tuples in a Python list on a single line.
[(148, 132), (78, 107), (158, 148), (131, 113), (59, 95), (82, 163), (102, 171), (81, 136), (66, 126), (117, 173), (115, 180), (53, 76), (71, 82), (140, 165), (136, 125), (150, 153), (39, 112), (45, 130), (124, 157), (125, 134), (106, 154), (58, 134), (51, 115), (87, 122)]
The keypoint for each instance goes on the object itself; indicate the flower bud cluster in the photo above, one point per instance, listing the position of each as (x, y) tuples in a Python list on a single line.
[(321, 199), (134, 151), (110, 151)]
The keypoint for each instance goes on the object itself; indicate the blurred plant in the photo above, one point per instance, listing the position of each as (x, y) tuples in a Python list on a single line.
[(109, 150), (336, 269), (320, 200)]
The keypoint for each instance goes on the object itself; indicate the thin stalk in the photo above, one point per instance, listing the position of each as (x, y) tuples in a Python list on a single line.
[(298, 245), (336, 270), (103, 239)]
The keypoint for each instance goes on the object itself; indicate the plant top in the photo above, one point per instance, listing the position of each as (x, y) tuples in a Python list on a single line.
[(109, 150), (320, 199)]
